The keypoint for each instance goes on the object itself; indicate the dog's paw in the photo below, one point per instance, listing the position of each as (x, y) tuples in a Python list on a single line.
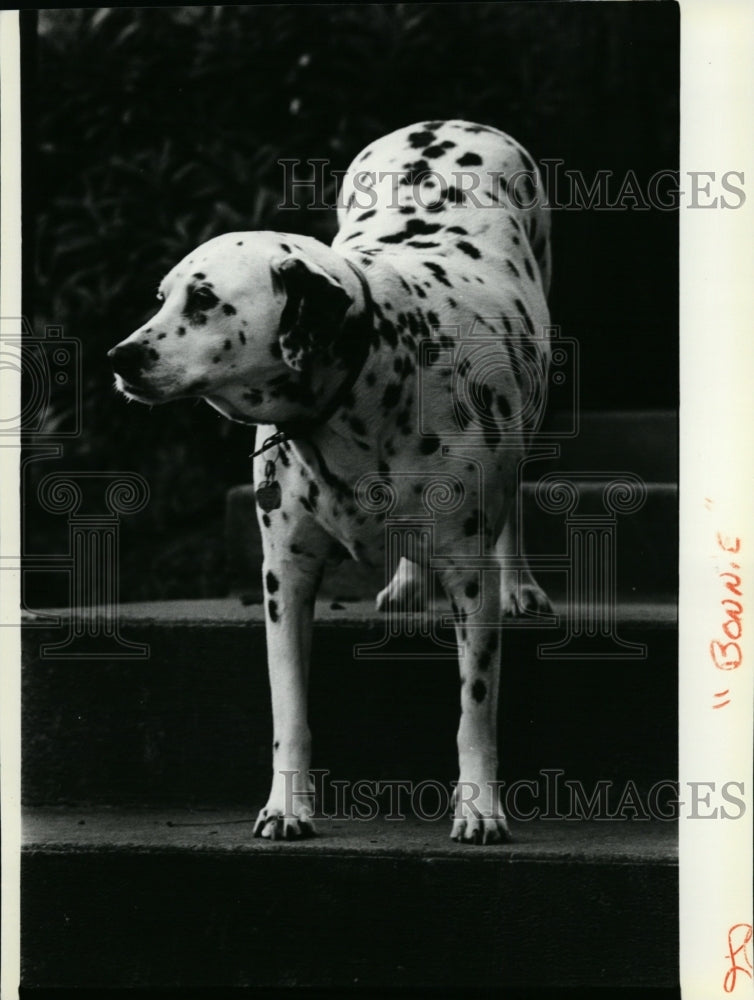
[(405, 592), (524, 598), (273, 824), (480, 830), (477, 815)]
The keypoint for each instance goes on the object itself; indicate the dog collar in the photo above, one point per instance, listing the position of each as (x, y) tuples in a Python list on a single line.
[(291, 430)]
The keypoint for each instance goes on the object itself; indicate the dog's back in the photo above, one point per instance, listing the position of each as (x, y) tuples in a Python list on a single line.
[(447, 187)]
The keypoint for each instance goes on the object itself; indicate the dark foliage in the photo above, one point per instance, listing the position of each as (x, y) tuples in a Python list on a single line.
[(158, 128)]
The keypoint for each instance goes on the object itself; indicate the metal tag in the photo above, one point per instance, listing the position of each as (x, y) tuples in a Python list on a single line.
[(269, 496)]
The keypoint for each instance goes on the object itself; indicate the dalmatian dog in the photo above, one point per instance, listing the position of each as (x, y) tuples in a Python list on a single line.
[(412, 350)]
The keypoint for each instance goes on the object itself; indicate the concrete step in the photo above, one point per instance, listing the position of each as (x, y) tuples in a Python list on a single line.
[(181, 899), (644, 442), (189, 722)]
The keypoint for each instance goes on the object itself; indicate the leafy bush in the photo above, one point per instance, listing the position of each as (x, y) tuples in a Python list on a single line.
[(158, 128)]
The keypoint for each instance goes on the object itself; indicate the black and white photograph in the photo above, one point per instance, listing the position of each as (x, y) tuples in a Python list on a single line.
[(348, 471)]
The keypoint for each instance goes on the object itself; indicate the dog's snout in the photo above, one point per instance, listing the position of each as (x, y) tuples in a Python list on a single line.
[(128, 360)]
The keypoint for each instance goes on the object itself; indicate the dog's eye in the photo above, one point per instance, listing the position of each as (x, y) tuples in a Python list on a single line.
[(160, 297), (202, 298)]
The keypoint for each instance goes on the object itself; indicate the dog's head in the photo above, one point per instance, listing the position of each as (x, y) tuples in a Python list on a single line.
[(248, 321)]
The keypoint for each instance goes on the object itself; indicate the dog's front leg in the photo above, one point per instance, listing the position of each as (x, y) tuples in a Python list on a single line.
[(475, 597), (292, 571)]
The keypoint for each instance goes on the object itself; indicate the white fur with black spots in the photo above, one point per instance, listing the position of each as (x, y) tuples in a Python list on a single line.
[(414, 349)]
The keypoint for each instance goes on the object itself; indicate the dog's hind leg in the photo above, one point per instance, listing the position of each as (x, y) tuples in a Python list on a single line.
[(519, 591), (407, 589), (475, 599)]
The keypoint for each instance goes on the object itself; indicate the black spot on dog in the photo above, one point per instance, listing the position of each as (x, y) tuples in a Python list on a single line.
[(458, 229), (407, 210), (242, 336), (228, 309), (512, 267), (366, 215), (153, 354), (227, 345), (433, 318), (438, 271), (313, 493), (272, 609), (432, 152), (284, 246), (240, 243), (472, 589), (471, 524), (253, 396), (199, 275), (181, 331), (529, 269), (403, 420), (478, 691), (388, 333), (414, 227), (266, 520), (305, 504), (422, 244), (419, 139), (357, 426), (420, 291), (526, 317), (469, 248), (415, 172), (392, 395), (504, 406), (485, 658), (429, 444), (271, 582), (469, 160), (296, 549), (455, 196), (161, 336)]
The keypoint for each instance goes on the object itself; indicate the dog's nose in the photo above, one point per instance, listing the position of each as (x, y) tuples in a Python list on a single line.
[(128, 360)]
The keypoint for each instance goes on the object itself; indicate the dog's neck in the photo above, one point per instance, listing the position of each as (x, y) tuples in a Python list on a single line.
[(355, 345)]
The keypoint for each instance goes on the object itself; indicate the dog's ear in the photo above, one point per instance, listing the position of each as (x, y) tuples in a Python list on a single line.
[(316, 304)]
